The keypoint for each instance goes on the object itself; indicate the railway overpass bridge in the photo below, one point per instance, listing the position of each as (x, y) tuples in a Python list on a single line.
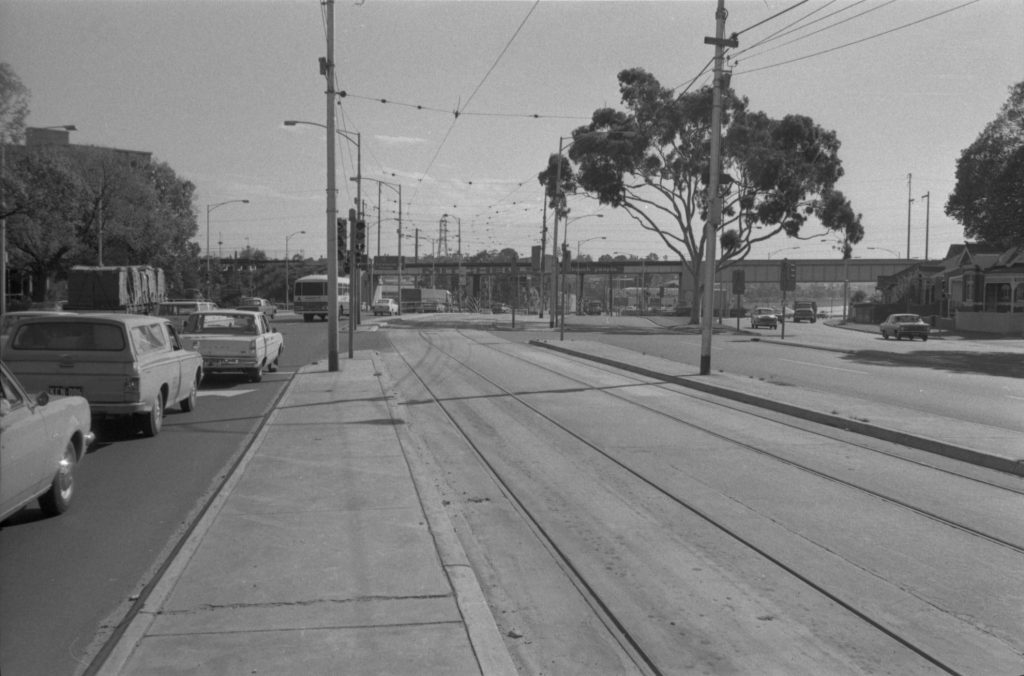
[(756, 271)]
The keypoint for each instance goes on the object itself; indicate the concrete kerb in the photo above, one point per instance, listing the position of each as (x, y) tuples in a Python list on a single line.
[(930, 445), (488, 646)]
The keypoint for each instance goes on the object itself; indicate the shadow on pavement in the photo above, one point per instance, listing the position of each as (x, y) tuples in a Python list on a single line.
[(1006, 364)]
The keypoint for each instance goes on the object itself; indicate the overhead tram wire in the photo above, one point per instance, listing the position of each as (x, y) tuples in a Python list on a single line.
[(820, 30), (857, 42), (458, 110)]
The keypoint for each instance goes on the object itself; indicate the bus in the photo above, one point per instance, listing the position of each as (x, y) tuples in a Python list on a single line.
[(310, 297)]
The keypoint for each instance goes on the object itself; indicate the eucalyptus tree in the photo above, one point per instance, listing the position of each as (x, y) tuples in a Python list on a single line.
[(652, 161), (988, 199)]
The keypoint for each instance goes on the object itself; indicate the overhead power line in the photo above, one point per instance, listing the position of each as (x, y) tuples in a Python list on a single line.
[(857, 42)]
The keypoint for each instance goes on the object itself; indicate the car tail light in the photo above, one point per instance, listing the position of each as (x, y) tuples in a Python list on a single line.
[(131, 385)]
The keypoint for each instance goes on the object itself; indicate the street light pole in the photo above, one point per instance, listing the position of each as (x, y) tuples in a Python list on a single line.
[(286, 290), (398, 188), (565, 251), (209, 208)]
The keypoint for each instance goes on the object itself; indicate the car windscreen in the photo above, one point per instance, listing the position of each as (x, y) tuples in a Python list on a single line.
[(69, 336)]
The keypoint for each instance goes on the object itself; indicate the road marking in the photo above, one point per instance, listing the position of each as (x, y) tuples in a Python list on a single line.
[(822, 366), (223, 393)]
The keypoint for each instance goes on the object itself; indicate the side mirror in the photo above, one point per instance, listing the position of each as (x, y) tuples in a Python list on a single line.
[(43, 399)]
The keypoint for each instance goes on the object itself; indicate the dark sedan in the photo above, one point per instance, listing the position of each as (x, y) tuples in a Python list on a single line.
[(905, 326)]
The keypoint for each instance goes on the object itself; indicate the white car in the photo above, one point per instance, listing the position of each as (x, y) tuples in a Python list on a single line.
[(385, 306), (42, 439)]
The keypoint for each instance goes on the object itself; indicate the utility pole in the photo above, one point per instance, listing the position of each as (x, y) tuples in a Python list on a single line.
[(543, 245), (927, 197), (327, 70), (714, 175), (910, 200)]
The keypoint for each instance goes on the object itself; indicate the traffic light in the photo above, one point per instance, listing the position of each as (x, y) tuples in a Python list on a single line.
[(787, 276), (342, 240), (359, 243), (739, 279)]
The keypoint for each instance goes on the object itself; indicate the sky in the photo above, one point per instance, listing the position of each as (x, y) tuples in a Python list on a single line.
[(205, 86)]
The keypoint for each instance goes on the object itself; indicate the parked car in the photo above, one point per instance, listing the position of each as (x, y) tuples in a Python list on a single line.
[(254, 304), (123, 364), (234, 341), (385, 306), (764, 316), (900, 325), (178, 310), (500, 309), (42, 441)]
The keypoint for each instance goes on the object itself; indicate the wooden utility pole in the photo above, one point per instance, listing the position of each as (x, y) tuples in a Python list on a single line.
[(714, 198)]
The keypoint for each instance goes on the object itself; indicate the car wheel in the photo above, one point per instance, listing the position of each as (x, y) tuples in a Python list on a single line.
[(256, 374), (189, 403), (153, 421), (57, 499), (885, 334), (924, 338)]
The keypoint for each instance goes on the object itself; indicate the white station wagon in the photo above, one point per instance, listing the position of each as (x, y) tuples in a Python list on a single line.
[(123, 364)]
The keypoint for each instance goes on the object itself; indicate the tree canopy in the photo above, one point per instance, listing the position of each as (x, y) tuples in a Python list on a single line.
[(62, 201), (988, 199), (653, 160)]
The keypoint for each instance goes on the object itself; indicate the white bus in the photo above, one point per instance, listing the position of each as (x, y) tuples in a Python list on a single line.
[(310, 297)]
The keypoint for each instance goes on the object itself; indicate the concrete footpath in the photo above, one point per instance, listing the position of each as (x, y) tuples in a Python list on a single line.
[(324, 553)]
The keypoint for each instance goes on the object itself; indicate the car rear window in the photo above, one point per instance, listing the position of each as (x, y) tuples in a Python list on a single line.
[(67, 336)]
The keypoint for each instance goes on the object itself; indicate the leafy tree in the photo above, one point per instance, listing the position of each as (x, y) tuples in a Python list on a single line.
[(14, 98), (46, 196), (653, 160), (988, 199)]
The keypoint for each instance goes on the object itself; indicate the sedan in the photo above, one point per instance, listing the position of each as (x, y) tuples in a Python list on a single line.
[(764, 316), (900, 325), (42, 439)]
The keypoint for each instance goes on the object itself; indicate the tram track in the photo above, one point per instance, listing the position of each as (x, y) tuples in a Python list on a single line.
[(645, 661)]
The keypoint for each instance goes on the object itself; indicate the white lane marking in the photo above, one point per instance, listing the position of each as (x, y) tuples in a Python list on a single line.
[(222, 393), (822, 366)]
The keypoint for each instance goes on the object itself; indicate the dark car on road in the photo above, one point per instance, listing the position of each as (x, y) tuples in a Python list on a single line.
[(905, 326)]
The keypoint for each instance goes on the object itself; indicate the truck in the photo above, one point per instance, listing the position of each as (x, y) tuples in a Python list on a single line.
[(426, 300), (133, 289), (234, 341), (805, 310)]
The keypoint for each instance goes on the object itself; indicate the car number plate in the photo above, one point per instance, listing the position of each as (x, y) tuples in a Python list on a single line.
[(65, 390)]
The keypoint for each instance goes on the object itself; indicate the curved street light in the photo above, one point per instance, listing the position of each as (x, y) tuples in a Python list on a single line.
[(397, 187), (209, 208), (332, 242), (565, 251)]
